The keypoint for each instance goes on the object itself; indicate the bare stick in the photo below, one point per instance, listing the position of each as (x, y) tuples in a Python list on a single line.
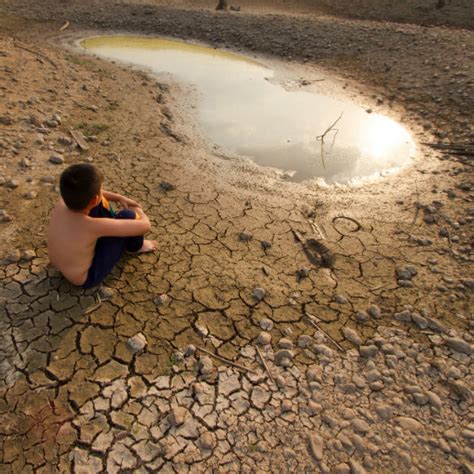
[(226, 361), (267, 370), (321, 137), (91, 309), (312, 320), (66, 25)]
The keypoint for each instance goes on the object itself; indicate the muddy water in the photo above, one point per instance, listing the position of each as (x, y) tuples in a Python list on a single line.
[(244, 111)]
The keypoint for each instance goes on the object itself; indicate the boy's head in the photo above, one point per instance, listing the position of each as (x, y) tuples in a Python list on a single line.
[(79, 184)]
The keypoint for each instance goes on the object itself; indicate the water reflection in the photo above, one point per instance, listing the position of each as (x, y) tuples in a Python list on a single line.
[(244, 112)]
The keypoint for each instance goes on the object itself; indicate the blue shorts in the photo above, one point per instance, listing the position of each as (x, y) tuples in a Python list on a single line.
[(108, 250)]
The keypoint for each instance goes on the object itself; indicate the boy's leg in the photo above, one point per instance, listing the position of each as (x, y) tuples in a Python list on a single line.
[(108, 251), (133, 244)]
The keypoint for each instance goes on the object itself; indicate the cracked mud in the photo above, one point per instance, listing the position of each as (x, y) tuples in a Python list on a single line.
[(342, 316)]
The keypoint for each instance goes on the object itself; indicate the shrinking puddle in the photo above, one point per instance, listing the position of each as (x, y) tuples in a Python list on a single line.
[(242, 111)]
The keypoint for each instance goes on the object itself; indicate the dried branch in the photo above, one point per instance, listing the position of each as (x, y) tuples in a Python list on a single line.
[(265, 366), (312, 320), (226, 361), (321, 137)]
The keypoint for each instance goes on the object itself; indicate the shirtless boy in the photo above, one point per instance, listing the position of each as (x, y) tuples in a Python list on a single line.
[(86, 237)]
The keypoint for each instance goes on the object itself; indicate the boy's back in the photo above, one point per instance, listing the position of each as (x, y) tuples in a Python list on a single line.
[(71, 243)]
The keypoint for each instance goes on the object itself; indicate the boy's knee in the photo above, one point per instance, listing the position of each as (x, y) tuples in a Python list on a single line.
[(126, 214)]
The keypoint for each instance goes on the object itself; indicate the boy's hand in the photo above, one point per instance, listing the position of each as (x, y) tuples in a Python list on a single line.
[(126, 202)]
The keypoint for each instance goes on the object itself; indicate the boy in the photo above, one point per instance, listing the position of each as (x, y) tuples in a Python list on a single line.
[(86, 238)]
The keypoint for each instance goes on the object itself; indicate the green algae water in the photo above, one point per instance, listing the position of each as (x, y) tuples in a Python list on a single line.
[(243, 112)]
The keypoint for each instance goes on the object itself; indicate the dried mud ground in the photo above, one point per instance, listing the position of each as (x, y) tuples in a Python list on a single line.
[(378, 377)]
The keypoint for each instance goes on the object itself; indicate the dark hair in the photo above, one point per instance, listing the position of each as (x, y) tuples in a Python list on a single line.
[(79, 184)]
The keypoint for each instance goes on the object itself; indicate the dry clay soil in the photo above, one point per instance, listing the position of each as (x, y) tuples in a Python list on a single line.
[(379, 380)]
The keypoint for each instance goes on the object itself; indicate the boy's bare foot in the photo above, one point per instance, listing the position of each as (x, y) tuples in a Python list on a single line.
[(147, 247)]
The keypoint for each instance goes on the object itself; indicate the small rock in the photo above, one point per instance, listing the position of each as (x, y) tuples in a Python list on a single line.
[(56, 159), (356, 468), (340, 299), (162, 300), (106, 293), (352, 336), (137, 343), (258, 294), (13, 257), (404, 316), (30, 195), (368, 351), (286, 406), (361, 316), (342, 468), (28, 255), (434, 400), (266, 245), (47, 179), (190, 350), (283, 357), (302, 273), (12, 184), (374, 312), (316, 446), (409, 424), (285, 343), (165, 186), (419, 320), (304, 341), (264, 338), (176, 416), (207, 440), (206, 365), (459, 345), (245, 237), (384, 411), (266, 324)]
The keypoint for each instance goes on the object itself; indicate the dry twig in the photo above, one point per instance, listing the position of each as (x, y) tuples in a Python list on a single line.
[(92, 308), (351, 219), (321, 137), (226, 361), (66, 25), (265, 366), (312, 320)]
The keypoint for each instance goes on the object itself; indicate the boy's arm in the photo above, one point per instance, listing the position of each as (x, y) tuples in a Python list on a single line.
[(115, 197), (105, 227)]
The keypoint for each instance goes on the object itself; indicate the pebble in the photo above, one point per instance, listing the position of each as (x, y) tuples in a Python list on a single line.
[(30, 195), (409, 424), (352, 336), (162, 300), (361, 316), (356, 468), (190, 350), (258, 294), (340, 299), (419, 320), (459, 345), (165, 186), (13, 256), (266, 245), (137, 343), (264, 338), (106, 293), (207, 440), (316, 446), (368, 351), (374, 312), (47, 179), (342, 468), (12, 184), (285, 343), (304, 341), (28, 255), (176, 416), (282, 357), (302, 273), (286, 406), (206, 365), (56, 159), (404, 316), (384, 411), (245, 237), (266, 324)]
